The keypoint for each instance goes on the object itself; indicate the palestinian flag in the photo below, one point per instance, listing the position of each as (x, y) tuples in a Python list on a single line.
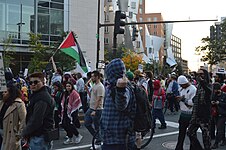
[(71, 47)]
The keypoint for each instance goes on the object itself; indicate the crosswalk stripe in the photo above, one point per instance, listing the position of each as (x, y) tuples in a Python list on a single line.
[(169, 123)]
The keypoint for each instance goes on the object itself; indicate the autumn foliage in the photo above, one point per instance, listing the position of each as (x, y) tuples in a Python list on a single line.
[(132, 60)]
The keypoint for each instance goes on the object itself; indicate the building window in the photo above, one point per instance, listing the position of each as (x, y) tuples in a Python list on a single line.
[(56, 21), (141, 2), (150, 50), (140, 10), (155, 26), (109, 0), (106, 41), (106, 17), (130, 14), (106, 30), (138, 44), (59, 1), (110, 8), (155, 19), (141, 29), (155, 32), (133, 5), (148, 19), (141, 19)]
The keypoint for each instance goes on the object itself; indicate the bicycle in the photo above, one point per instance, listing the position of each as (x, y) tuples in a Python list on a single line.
[(146, 138)]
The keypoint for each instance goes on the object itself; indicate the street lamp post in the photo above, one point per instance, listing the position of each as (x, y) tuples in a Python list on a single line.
[(20, 24)]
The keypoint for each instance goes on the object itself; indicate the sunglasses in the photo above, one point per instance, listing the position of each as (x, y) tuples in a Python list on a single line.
[(34, 82)]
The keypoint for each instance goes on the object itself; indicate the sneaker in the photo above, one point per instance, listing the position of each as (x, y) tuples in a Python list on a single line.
[(162, 127), (223, 143), (96, 147), (78, 138), (68, 141)]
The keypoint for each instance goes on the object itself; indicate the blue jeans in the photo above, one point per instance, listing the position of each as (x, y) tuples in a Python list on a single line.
[(157, 113), (89, 120), (38, 143)]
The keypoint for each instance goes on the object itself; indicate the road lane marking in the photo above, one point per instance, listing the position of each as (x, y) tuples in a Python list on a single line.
[(173, 124), (169, 123)]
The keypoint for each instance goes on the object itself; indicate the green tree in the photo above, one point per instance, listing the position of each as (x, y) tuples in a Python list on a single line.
[(8, 53), (213, 50), (40, 53), (108, 54)]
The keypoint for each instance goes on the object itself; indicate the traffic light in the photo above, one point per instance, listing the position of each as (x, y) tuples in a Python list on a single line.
[(119, 22), (212, 32), (218, 31), (135, 33)]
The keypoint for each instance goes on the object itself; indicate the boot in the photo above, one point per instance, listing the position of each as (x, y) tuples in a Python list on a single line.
[(214, 146), (223, 143)]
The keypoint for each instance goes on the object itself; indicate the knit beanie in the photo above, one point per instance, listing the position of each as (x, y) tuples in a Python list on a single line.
[(129, 75), (182, 80)]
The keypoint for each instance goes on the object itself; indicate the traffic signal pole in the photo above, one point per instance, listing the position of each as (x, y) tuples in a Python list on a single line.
[(114, 44), (157, 22), (98, 34), (99, 25)]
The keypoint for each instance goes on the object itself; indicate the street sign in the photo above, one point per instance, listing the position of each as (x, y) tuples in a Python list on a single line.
[(2, 75)]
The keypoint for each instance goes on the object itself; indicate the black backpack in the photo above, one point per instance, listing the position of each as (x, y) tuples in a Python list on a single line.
[(142, 121), (143, 117)]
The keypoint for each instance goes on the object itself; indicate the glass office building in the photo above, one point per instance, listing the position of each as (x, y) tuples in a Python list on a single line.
[(20, 17)]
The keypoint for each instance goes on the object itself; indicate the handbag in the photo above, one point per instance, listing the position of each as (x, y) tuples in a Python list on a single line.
[(52, 135)]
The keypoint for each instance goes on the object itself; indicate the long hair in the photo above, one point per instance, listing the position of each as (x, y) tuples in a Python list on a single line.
[(14, 93), (59, 85), (72, 85)]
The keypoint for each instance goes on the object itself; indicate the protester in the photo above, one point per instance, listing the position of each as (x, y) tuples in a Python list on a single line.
[(172, 92), (119, 100), (219, 99), (214, 111), (158, 100), (92, 116), (201, 112), (40, 114), (70, 104), (150, 85), (12, 118), (140, 80), (57, 95), (57, 75), (81, 90), (187, 92)]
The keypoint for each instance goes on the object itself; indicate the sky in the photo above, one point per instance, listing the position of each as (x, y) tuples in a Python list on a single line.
[(190, 33)]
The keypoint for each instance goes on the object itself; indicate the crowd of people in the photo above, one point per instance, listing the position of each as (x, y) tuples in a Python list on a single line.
[(32, 107)]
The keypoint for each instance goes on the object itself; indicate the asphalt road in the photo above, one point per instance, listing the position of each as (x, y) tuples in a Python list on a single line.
[(164, 139)]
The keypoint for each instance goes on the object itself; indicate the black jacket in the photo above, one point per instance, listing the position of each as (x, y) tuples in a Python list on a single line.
[(222, 104), (40, 114), (202, 107)]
